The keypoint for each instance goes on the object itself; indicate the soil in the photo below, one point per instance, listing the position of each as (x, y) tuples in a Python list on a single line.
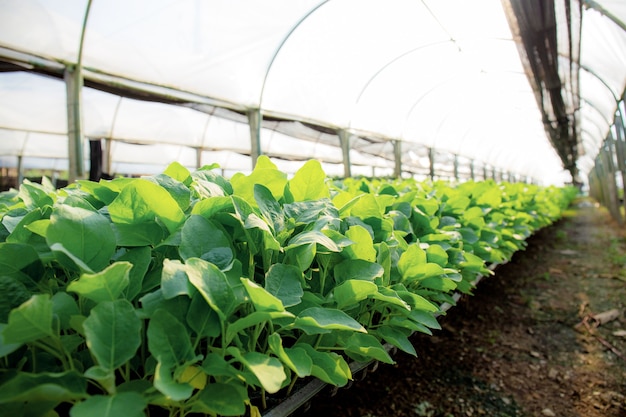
[(524, 344)]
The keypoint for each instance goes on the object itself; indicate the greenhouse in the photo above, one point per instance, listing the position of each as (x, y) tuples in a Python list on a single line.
[(224, 207)]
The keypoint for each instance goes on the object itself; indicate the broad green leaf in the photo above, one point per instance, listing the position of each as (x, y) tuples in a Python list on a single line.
[(390, 296), (473, 213), (6, 348), (411, 262), (265, 173), (166, 384), (30, 321), (363, 246), (85, 234), (202, 238), (44, 386), (429, 206), (352, 291), (168, 340), (309, 182), (18, 259), (269, 207), (438, 283), (174, 281), (222, 399), (140, 258), (213, 285), (268, 370), (127, 404), (254, 319), (64, 307), (368, 347), (68, 259), (139, 234), (12, 294), (357, 269), (179, 192), (203, 319), (106, 285), (143, 201), (295, 358), (177, 306), (313, 236), (211, 206), (261, 298), (21, 233), (35, 195), (425, 318), (457, 204), (436, 254), (285, 283), (215, 365), (178, 172), (301, 256), (416, 301), (491, 197), (314, 320), (407, 323), (396, 338), (39, 227), (105, 377), (205, 177), (366, 206), (113, 334), (328, 366)]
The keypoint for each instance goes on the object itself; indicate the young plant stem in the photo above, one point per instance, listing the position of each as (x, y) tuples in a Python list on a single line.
[(51, 350), (292, 384)]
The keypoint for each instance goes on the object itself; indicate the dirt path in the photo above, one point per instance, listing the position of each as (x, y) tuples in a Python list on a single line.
[(517, 347)]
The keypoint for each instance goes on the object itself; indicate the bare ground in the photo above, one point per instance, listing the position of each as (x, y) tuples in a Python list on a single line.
[(519, 346)]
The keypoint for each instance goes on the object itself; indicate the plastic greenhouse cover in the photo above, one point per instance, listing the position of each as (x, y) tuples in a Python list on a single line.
[(443, 74)]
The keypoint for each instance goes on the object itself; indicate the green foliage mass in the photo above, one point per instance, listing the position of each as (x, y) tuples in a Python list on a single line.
[(197, 294)]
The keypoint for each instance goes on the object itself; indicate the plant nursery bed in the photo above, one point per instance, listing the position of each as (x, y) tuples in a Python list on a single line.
[(527, 343)]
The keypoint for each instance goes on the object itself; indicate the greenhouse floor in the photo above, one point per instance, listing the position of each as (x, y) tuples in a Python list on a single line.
[(526, 343)]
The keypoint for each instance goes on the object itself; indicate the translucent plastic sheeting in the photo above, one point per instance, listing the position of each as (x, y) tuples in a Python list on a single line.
[(442, 74), (38, 105)]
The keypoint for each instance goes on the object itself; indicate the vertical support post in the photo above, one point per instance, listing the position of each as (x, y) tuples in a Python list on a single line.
[(611, 180), (620, 150), (20, 170), (73, 84), (456, 167), (431, 163), (107, 161), (344, 140), (484, 172), (397, 153), (472, 173), (198, 157), (254, 121)]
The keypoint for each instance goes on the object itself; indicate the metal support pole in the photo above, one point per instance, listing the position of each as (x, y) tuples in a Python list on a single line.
[(20, 170), (344, 140), (254, 121), (73, 84), (198, 158), (620, 150), (397, 153), (609, 178), (431, 163)]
